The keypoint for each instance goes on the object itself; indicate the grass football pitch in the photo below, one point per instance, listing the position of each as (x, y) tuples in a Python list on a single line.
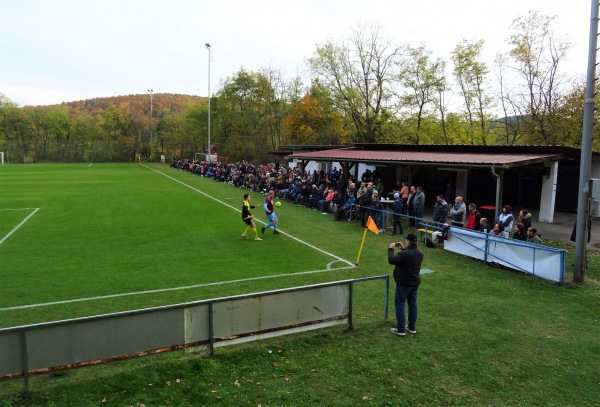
[(81, 239), (87, 239)]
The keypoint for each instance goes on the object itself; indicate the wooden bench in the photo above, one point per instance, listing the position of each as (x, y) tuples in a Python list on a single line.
[(423, 232)]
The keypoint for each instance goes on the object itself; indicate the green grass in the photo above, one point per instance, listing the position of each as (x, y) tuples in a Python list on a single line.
[(485, 336)]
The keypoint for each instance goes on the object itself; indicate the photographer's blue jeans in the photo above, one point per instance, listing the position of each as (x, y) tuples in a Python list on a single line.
[(406, 294)]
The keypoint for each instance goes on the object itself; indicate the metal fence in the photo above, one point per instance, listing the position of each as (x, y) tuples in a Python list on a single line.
[(51, 346)]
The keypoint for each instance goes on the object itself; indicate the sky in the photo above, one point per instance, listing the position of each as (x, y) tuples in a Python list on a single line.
[(54, 51)]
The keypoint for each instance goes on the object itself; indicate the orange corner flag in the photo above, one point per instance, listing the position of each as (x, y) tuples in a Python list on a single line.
[(372, 226)]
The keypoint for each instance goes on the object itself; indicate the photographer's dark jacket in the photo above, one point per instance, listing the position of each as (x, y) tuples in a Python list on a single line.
[(407, 266)]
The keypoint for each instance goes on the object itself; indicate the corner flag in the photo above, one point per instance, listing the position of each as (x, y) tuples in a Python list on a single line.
[(372, 226)]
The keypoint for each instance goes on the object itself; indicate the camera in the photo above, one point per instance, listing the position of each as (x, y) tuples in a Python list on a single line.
[(397, 244)]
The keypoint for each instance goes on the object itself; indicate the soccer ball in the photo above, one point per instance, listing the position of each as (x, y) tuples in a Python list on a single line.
[(278, 203)]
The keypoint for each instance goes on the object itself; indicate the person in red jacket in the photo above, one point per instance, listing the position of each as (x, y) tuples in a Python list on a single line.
[(474, 218)]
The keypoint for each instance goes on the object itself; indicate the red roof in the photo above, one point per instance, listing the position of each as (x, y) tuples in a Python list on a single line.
[(425, 157)]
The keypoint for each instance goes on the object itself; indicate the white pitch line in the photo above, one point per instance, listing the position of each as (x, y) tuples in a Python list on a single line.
[(236, 209), (19, 225), (161, 290)]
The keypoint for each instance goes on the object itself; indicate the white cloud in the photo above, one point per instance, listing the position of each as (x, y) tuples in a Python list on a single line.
[(84, 48)]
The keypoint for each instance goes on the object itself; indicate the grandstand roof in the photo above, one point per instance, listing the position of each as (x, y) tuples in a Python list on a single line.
[(395, 154)]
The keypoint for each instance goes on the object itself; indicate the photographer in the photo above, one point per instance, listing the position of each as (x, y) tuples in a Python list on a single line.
[(407, 269)]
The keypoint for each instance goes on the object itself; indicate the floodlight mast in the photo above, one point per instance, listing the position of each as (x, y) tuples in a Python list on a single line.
[(583, 200), (207, 45), (151, 113)]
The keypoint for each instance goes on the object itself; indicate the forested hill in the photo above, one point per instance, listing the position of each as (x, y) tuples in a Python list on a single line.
[(161, 102)]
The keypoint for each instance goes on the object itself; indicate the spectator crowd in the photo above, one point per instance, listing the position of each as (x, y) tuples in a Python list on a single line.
[(339, 194)]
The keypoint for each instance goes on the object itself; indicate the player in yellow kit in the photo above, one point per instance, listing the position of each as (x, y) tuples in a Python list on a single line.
[(248, 217)]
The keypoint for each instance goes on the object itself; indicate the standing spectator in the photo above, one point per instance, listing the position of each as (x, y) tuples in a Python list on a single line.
[(440, 210), (419, 203), (404, 195), (364, 202), (397, 208), (380, 187), (533, 236), (376, 211), (520, 232), (410, 205), (474, 219), (397, 187), (407, 269), (450, 192), (525, 218), (506, 218), (458, 212)]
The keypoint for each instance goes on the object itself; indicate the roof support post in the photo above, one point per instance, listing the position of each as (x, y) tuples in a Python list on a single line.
[(498, 183), (548, 198)]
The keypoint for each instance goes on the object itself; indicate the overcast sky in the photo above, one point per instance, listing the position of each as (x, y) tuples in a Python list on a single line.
[(64, 50)]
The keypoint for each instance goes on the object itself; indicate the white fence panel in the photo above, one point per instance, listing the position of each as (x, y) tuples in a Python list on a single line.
[(542, 261)]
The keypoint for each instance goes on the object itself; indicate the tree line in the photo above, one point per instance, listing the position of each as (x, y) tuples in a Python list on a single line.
[(363, 88)]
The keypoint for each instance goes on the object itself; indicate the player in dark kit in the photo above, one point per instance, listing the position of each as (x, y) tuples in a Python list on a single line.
[(248, 217)]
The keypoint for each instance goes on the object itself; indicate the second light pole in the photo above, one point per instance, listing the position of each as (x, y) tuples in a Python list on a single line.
[(151, 112), (208, 48)]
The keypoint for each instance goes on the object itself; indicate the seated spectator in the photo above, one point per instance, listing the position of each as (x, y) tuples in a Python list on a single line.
[(343, 209), (324, 203), (303, 194), (484, 225), (314, 196), (533, 236), (520, 232), (498, 229)]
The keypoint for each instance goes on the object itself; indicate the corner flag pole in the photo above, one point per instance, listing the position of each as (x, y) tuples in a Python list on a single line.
[(372, 226), (361, 247)]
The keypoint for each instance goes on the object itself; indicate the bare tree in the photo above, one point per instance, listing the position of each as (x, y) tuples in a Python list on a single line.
[(537, 53), (511, 123), (358, 73)]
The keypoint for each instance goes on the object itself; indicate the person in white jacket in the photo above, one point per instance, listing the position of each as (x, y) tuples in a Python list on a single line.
[(507, 219)]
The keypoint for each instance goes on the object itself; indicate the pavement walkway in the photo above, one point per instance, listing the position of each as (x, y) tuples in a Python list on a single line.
[(561, 229)]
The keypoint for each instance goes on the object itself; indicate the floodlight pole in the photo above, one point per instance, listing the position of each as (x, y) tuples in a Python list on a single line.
[(207, 45), (151, 113), (583, 201)]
